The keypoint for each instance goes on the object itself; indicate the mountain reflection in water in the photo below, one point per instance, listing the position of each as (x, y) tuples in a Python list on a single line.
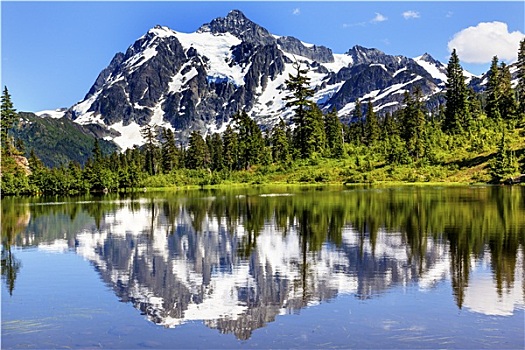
[(237, 260)]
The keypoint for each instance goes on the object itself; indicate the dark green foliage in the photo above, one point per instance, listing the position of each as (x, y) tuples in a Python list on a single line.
[(150, 135), (170, 153), (501, 97), (504, 167), (313, 133), (197, 155), (7, 121), (520, 89), (334, 134), (249, 140), (280, 144), (299, 87), (493, 91), (57, 141), (457, 116), (355, 131), (98, 173), (214, 143), (508, 106), (230, 149), (413, 125), (372, 131)]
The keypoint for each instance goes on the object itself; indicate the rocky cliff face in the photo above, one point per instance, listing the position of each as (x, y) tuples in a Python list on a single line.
[(197, 81)]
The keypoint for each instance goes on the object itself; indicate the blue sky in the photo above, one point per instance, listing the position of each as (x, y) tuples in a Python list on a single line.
[(52, 52)]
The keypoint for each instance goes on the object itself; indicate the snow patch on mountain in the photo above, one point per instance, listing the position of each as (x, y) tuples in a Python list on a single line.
[(178, 81), (437, 72), (217, 49), (52, 113), (379, 65), (129, 135)]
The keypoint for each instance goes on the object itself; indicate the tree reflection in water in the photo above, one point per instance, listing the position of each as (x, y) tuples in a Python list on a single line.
[(236, 260)]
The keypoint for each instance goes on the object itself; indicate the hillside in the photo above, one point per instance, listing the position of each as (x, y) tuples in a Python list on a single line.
[(56, 141)]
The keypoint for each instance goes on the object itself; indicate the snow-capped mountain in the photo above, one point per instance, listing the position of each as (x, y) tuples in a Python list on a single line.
[(197, 81)]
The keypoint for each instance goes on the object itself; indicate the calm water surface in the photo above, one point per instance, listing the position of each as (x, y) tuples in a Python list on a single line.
[(265, 268)]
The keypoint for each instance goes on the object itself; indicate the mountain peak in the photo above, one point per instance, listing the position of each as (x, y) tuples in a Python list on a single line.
[(236, 14), (428, 58), (237, 24), (362, 54)]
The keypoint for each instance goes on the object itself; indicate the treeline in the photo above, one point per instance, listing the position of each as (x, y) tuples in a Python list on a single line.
[(468, 124)]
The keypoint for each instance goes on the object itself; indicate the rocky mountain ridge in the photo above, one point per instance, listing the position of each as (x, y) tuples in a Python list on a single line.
[(197, 81)]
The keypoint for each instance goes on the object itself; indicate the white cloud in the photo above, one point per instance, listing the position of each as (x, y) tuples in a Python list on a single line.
[(378, 18), (350, 25), (296, 11), (481, 43), (411, 14)]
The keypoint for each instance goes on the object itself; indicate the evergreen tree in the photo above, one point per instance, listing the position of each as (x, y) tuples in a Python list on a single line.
[(38, 172), (170, 157), (356, 129), (475, 105), (372, 130), (508, 106), (457, 114), (299, 87), (97, 172), (280, 143), (413, 125), (230, 149), (214, 143), (314, 133), (149, 133), (7, 121), (20, 146), (98, 157), (520, 89), (492, 108), (131, 176), (250, 139), (389, 126), (505, 164), (197, 156), (334, 134)]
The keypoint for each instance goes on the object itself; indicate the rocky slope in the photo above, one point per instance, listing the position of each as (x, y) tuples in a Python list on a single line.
[(199, 80)]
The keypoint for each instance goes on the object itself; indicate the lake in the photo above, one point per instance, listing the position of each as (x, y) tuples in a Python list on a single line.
[(313, 267)]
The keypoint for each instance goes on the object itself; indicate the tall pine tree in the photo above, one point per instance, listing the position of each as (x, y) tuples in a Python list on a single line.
[(334, 134), (520, 89), (299, 87), (372, 131), (457, 115), (149, 133), (215, 149), (279, 143), (230, 149), (250, 139), (7, 120), (413, 125), (170, 156), (508, 106), (493, 91), (197, 155), (356, 129)]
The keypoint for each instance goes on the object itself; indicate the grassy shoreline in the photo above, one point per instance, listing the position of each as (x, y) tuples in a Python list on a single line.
[(335, 185)]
